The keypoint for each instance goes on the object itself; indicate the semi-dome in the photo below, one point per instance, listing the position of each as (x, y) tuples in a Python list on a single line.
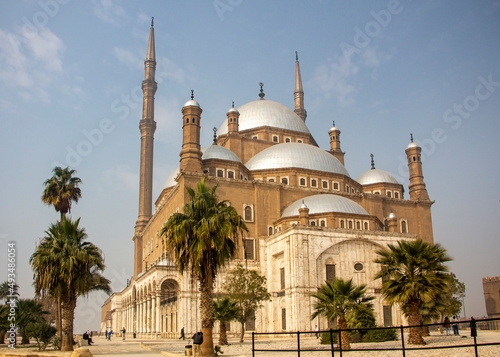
[(267, 113), (296, 155), (219, 152), (412, 145), (376, 176), (323, 204), (171, 179)]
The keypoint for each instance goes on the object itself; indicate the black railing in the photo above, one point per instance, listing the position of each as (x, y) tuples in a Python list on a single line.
[(403, 348)]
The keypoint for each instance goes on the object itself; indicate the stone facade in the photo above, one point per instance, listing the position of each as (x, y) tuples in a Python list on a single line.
[(308, 220)]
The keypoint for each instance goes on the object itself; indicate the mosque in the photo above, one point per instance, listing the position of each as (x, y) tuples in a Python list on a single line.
[(309, 221)]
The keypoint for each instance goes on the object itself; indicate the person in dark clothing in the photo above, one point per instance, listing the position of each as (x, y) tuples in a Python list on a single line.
[(473, 328), (197, 341), (182, 334)]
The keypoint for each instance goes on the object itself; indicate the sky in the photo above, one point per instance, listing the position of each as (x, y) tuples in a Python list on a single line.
[(70, 95)]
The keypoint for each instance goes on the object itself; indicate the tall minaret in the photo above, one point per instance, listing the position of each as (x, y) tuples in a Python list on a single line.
[(191, 154), (298, 95), (335, 150), (418, 192), (147, 126)]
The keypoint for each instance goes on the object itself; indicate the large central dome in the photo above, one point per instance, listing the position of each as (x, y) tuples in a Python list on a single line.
[(296, 155), (267, 113)]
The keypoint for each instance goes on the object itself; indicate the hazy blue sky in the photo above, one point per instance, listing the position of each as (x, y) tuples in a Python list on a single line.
[(70, 77)]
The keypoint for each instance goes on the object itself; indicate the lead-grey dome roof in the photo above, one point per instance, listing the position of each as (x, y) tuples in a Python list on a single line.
[(219, 152), (266, 113), (323, 204), (297, 155), (376, 176), (171, 179)]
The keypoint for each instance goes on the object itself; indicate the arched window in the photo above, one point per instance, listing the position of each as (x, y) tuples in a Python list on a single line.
[(270, 231), (358, 225), (230, 174), (302, 181), (284, 180), (248, 213), (404, 228), (350, 224), (220, 173), (342, 223), (366, 225), (314, 183), (275, 139), (336, 186)]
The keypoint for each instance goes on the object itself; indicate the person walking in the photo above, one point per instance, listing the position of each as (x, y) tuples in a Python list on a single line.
[(182, 334), (473, 327), (123, 333), (316, 332), (447, 325), (455, 326), (197, 341)]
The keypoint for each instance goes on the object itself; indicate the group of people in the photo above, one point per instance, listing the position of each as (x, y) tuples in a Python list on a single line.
[(88, 336), (447, 325), (197, 341)]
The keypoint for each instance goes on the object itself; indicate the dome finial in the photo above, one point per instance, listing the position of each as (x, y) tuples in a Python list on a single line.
[(296, 56), (233, 104), (215, 135), (152, 21), (411, 137), (334, 123), (192, 94), (261, 94), (373, 162)]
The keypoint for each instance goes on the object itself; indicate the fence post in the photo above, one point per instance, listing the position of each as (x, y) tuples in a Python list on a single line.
[(298, 343), (253, 343), (403, 340), (331, 341)]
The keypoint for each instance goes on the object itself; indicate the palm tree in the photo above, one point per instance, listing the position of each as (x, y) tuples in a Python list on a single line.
[(8, 289), (416, 274), (67, 266), (201, 240), (336, 299), (225, 311), (61, 190), (28, 311)]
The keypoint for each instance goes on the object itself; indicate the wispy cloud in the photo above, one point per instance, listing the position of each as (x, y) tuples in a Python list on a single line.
[(337, 77), (109, 12), (30, 66), (121, 177)]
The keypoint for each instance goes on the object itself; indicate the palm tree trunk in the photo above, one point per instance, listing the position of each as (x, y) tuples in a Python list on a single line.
[(344, 335), (206, 310), (223, 334), (69, 305), (414, 319), (58, 318)]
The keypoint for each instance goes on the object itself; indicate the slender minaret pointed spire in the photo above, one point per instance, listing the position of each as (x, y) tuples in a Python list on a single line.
[(298, 94), (151, 55)]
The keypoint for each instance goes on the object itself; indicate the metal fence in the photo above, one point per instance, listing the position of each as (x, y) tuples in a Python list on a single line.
[(486, 324)]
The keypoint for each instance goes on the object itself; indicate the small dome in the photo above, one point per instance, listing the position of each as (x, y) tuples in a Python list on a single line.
[(219, 152), (261, 113), (233, 110), (376, 176), (334, 128), (296, 155), (391, 215), (412, 145), (191, 103), (323, 204), (171, 179)]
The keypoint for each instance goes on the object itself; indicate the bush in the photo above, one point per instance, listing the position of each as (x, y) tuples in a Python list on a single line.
[(354, 336), (41, 332), (380, 335)]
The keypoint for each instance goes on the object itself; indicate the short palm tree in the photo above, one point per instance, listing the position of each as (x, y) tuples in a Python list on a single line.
[(28, 311), (201, 240), (336, 299), (225, 311), (61, 190), (67, 266), (416, 274)]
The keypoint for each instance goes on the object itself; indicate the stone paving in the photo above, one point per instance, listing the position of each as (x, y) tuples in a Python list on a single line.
[(171, 348)]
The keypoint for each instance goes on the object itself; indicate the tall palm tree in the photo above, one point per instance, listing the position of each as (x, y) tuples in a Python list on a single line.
[(416, 274), (67, 266), (201, 240), (336, 299), (61, 190), (225, 311)]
